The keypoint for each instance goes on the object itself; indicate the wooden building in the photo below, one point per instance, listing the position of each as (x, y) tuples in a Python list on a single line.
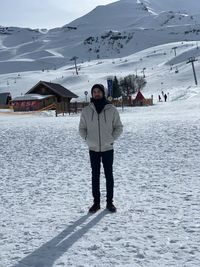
[(33, 102), (5, 99), (45, 95), (140, 100)]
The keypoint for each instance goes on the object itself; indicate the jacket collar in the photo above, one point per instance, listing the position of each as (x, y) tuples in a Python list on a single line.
[(92, 106)]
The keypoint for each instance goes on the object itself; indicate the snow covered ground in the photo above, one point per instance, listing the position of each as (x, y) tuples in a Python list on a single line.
[(45, 191)]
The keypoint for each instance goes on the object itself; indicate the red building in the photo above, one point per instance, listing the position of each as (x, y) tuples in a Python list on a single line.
[(44, 95), (32, 102), (140, 100)]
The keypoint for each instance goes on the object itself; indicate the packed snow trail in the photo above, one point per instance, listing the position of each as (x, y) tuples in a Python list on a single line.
[(45, 192)]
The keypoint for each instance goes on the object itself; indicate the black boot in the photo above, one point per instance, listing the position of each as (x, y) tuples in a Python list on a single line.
[(110, 206), (95, 207)]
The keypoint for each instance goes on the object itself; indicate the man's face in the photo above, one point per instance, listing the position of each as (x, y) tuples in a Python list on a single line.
[(97, 93)]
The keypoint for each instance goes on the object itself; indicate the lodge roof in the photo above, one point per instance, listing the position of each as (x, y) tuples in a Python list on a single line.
[(31, 97), (139, 96), (56, 88)]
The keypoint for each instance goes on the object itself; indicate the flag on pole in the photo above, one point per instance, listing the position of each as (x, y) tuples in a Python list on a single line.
[(110, 86)]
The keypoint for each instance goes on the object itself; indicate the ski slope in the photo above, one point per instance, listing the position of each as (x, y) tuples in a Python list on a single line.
[(160, 65)]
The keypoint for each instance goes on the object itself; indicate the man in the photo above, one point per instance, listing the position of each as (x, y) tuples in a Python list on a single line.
[(100, 126)]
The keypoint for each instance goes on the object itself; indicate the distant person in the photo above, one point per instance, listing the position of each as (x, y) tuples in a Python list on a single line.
[(159, 98), (100, 126), (165, 97)]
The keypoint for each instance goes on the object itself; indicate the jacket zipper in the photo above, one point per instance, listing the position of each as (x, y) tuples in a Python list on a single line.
[(99, 135), (104, 112)]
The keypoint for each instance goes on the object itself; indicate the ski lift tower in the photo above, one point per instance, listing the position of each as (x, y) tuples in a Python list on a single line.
[(192, 60)]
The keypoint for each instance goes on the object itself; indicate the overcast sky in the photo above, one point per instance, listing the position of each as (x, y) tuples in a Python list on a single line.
[(44, 13)]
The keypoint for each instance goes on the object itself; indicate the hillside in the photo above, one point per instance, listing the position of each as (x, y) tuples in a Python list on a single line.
[(160, 65), (115, 30)]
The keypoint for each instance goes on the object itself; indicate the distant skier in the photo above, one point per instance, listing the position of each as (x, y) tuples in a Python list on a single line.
[(100, 126), (159, 98), (165, 97)]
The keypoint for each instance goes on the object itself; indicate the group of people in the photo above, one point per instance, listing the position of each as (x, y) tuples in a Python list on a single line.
[(100, 126), (164, 95)]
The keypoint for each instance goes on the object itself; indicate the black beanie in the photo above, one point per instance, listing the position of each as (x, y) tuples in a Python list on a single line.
[(100, 87)]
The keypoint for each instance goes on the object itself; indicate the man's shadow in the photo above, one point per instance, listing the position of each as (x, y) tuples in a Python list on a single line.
[(47, 254)]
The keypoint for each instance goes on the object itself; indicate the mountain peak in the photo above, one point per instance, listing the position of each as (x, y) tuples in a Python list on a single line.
[(116, 15)]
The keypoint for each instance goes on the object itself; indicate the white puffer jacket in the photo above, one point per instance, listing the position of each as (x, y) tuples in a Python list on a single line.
[(100, 130)]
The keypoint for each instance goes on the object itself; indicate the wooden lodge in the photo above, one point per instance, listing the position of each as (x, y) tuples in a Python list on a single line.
[(5, 99), (45, 96), (33, 102)]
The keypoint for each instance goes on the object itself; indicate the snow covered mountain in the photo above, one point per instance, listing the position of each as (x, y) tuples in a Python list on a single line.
[(115, 30)]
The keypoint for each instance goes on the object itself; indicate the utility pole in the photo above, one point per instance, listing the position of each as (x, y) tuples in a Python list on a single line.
[(75, 58), (143, 72), (192, 60), (174, 48)]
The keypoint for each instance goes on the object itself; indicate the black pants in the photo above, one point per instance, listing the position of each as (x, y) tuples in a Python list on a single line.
[(107, 160)]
